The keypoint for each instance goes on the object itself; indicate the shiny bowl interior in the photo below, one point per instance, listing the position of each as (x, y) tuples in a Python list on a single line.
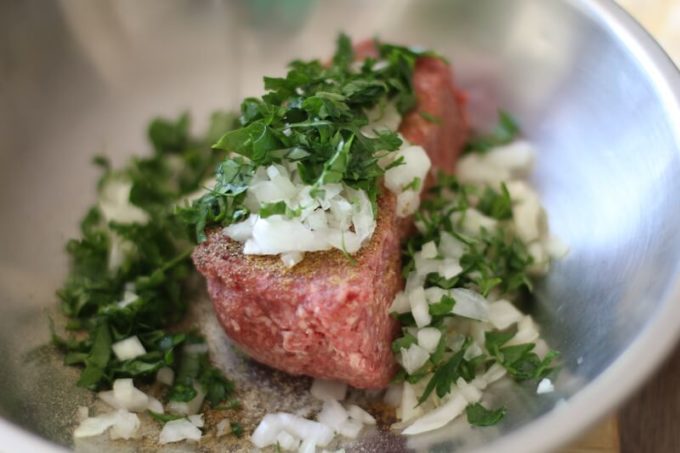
[(589, 87)]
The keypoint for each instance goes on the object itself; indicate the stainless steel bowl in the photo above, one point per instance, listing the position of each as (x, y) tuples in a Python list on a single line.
[(590, 88)]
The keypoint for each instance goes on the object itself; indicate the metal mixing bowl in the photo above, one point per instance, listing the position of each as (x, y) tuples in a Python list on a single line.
[(589, 87)]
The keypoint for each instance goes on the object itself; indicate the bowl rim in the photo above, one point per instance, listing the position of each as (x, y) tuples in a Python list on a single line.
[(648, 350), (645, 353)]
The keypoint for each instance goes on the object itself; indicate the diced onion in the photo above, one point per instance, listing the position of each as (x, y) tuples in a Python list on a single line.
[(409, 408), (469, 391), (360, 415), (470, 304), (429, 250), (196, 420), (502, 314), (439, 416), (419, 307), (286, 441), (545, 386), (413, 358), (266, 431), (154, 405), (125, 396), (178, 430), (124, 424), (308, 446), (400, 304), (332, 414), (416, 165), (128, 349), (351, 428), (428, 338)]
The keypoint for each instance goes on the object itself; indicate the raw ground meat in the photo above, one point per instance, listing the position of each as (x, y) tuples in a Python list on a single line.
[(327, 316)]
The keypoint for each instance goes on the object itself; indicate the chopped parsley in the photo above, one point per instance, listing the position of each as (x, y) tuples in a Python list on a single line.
[(148, 290), (478, 415), (313, 117), (492, 260)]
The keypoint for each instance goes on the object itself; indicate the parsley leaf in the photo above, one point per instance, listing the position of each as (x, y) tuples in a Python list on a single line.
[(145, 293), (313, 116), (478, 415)]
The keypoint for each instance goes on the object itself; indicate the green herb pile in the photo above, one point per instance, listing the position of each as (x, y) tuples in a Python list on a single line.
[(312, 117), (494, 260), (156, 263)]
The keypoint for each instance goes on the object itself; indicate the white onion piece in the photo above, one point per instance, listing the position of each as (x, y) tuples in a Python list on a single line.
[(381, 118), (470, 304), (419, 307), (416, 165), (556, 248), (413, 358), (154, 405), (474, 221), (266, 431), (469, 391), (324, 389), (425, 265), (124, 424), (434, 294), (409, 408), (529, 217), (286, 441), (428, 338), (440, 416), (307, 446), (471, 168), (429, 250), (494, 373), (449, 268), (516, 157), (400, 304), (450, 247), (502, 314), (360, 414), (128, 348), (527, 332), (407, 203), (332, 414), (545, 386), (241, 231), (474, 350), (320, 434), (290, 259), (196, 420), (178, 430), (351, 428), (125, 396)]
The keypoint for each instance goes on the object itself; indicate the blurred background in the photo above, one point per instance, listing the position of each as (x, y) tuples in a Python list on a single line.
[(662, 19), (647, 422)]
